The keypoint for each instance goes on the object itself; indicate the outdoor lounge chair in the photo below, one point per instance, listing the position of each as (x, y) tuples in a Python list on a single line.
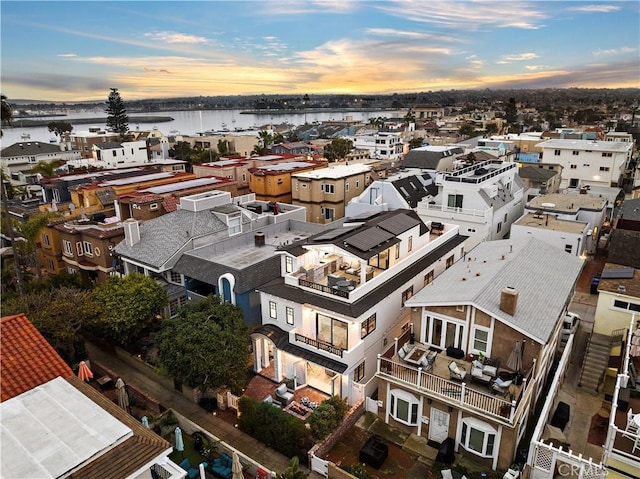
[(451, 474), (500, 386), (456, 372), (284, 396), (222, 466), (192, 472)]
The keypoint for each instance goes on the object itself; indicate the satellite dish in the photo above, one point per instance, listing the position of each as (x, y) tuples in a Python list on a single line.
[(72, 206)]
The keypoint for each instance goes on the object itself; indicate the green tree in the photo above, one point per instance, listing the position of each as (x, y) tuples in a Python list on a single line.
[(129, 305), (181, 151), (205, 345), (30, 231), (59, 313), (47, 168), (491, 129), (467, 130), (265, 140), (338, 149), (415, 143), (7, 111), (327, 417), (223, 147), (59, 127), (293, 471), (511, 112), (117, 118)]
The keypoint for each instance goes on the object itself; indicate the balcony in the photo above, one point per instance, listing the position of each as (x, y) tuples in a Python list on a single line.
[(319, 345), (436, 383)]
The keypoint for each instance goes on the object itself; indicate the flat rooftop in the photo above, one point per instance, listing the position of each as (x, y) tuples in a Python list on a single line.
[(550, 222), (335, 172), (567, 202), (137, 179)]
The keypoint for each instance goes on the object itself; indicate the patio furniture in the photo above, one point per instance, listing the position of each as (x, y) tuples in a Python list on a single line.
[(437, 228), (561, 415), (456, 372), (446, 452), (374, 452), (455, 353), (501, 386), (284, 396), (192, 472), (483, 373), (633, 424), (403, 351), (222, 466)]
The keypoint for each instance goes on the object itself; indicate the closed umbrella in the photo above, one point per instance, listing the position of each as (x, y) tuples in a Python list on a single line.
[(635, 343), (179, 440), (236, 467), (145, 421), (84, 373), (123, 397), (515, 358)]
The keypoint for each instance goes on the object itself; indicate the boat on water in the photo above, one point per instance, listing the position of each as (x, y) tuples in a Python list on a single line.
[(25, 136)]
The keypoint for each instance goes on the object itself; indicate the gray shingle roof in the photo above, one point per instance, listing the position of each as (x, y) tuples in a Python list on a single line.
[(29, 148), (535, 173), (163, 237), (543, 275)]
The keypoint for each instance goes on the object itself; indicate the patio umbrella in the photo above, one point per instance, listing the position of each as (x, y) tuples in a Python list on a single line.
[(145, 421), (515, 358), (179, 440), (236, 467), (123, 397), (84, 373)]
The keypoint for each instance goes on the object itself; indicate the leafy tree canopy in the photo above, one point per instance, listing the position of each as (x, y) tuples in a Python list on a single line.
[(415, 143), (59, 127), (47, 168), (117, 118), (205, 345), (7, 111), (467, 130), (293, 471), (129, 306), (59, 313), (338, 149)]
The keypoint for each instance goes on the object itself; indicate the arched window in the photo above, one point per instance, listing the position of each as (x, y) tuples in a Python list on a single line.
[(404, 407)]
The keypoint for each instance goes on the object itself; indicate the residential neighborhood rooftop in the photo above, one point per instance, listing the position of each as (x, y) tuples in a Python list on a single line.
[(567, 202), (551, 222), (335, 171)]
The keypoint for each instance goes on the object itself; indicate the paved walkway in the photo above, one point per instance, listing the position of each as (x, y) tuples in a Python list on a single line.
[(171, 399)]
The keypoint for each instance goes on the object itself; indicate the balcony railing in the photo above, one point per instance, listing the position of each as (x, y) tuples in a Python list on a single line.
[(451, 391), (323, 288), (319, 344)]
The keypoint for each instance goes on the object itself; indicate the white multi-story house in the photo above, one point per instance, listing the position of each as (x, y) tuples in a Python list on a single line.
[(588, 162), (569, 221), (341, 298), (113, 154), (381, 145), (489, 328), (22, 156), (483, 199)]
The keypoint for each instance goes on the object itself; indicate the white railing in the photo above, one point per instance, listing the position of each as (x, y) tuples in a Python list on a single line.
[(448, 391)]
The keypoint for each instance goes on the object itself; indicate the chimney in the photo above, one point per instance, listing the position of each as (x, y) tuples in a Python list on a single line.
[(509, 300), (259, 239), (131, 231)]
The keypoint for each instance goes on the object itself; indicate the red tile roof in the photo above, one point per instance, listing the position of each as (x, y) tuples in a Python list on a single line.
[(27, 360)]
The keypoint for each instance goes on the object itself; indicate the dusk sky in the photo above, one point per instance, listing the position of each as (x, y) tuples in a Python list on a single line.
[(73, 51)]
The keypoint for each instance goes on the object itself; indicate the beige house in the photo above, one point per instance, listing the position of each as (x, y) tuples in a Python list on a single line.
[(618, 298), (326, 192)]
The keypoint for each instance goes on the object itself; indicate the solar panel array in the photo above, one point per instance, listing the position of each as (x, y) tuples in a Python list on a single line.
[(617, 273), (398, 224), (332, 234), (369, 238)]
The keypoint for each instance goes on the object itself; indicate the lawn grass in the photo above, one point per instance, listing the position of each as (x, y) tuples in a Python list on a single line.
[(189, 452)]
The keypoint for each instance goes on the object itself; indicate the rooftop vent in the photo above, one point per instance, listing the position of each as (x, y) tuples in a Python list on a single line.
[(622, 288)]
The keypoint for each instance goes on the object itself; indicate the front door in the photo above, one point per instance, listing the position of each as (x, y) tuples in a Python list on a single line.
[(438, 425)]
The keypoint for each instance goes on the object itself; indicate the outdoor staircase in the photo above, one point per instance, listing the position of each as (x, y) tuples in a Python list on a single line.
[(595, 362)]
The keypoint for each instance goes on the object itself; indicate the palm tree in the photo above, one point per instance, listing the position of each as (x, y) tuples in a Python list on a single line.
[(47, 168), (7, 112), (293, 471)]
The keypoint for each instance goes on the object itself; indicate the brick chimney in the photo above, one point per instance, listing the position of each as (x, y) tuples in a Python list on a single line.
[(509, 300)]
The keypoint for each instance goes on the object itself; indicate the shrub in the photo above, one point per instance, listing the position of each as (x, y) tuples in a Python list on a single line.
[(358, 470), (327, 417), (274, 427)]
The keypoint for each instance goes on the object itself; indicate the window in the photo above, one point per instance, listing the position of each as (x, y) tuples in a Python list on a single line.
[(79, 248), (604, 168), (67, 248), (235, 225), (358, 373), (506, 217), (153, 206), (454, 201), (45, 240), (556, 152), (272, 310), (568, 248), (50, 264), (481, 339), (573, 167), (72, 271), (499, 227), (244, 177), (428, 278), (174, 305), (288, 264), (478, 437), (460, 308), (114, 153), (357, 184), (404, 407), (88, 248), (332, 331), (626, 305), (406, 294), (368, 326), (576, 152), (397, 250), (327, 188), (304, 185), (329, 213), (607, 154), (346, 186), (289, 315), (175, 277), (449, 262), (410, 243), (586, 164)]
